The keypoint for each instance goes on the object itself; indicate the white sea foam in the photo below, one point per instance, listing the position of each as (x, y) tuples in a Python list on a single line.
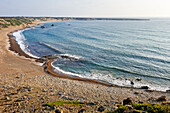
[(108, 78), (21, 41), (64, 73), (97, 76), (72, 56), (48, 45)]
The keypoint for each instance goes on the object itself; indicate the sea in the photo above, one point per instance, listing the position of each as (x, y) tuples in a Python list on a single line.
[(120, 52)]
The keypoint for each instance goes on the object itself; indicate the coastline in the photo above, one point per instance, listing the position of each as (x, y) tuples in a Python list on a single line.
[(14, 46), (49, 69), (19, 72)]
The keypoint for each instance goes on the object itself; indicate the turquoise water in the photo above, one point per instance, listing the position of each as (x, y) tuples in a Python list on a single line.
[(113, 51)]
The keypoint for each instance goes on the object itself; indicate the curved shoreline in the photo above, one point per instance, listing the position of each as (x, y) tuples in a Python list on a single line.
[(14, 46), (49, 69), (26, 84)]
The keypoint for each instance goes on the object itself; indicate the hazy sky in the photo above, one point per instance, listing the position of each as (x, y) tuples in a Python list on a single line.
[(86, 8)]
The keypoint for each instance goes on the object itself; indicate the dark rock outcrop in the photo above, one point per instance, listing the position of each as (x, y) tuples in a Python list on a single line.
[(151, 99), (168, 91), (82, 111), (57, 111), (136, 93), (162, 98), (128, 101), (144, 87), (132, 83), (138, 79), (149, 91), (101, 109), (90, 104)]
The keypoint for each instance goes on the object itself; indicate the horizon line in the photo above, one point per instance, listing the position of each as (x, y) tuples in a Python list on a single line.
[(79, 16)]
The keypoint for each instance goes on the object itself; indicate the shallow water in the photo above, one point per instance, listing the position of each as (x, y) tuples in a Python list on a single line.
[(107, 50)]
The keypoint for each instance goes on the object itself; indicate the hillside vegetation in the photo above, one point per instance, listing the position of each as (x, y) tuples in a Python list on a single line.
[(16, 21)]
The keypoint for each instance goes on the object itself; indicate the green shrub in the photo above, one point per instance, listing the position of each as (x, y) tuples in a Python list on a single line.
[(121, 109), (60, 103), (152, 107)]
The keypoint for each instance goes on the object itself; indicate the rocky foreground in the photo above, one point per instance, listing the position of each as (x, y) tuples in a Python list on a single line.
[(21, 93)]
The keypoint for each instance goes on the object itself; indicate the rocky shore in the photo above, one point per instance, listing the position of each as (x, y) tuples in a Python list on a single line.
[(25, 87), (23, 93)]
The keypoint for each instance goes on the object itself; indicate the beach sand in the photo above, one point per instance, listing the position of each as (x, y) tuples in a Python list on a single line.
[(25, 86)]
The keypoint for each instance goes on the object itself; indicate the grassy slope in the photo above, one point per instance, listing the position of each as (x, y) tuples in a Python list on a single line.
[(16, 21)]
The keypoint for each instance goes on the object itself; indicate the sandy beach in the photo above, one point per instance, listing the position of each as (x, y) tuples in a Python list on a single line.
[(25, 86)]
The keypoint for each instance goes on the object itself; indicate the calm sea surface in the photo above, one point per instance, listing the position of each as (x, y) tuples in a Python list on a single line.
[(117, 52)]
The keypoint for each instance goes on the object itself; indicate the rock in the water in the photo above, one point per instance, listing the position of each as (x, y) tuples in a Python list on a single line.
[(162, 98), (101, 109), (82, 111), (138, 79), (132, 83), (127, 101), (144, 87), (52, 24), (42, 27)]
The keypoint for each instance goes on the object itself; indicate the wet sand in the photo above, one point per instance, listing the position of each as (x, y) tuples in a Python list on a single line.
[(16, 48), (50, 70)]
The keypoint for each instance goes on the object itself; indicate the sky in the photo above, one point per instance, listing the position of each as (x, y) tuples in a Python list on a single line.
[(86, 8)]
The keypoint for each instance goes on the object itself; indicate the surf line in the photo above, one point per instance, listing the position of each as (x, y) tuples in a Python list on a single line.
[(14, 46), (49, 69)]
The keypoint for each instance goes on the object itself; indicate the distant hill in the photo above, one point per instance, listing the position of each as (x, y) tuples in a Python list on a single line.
[(88, 18), (16, 21)]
